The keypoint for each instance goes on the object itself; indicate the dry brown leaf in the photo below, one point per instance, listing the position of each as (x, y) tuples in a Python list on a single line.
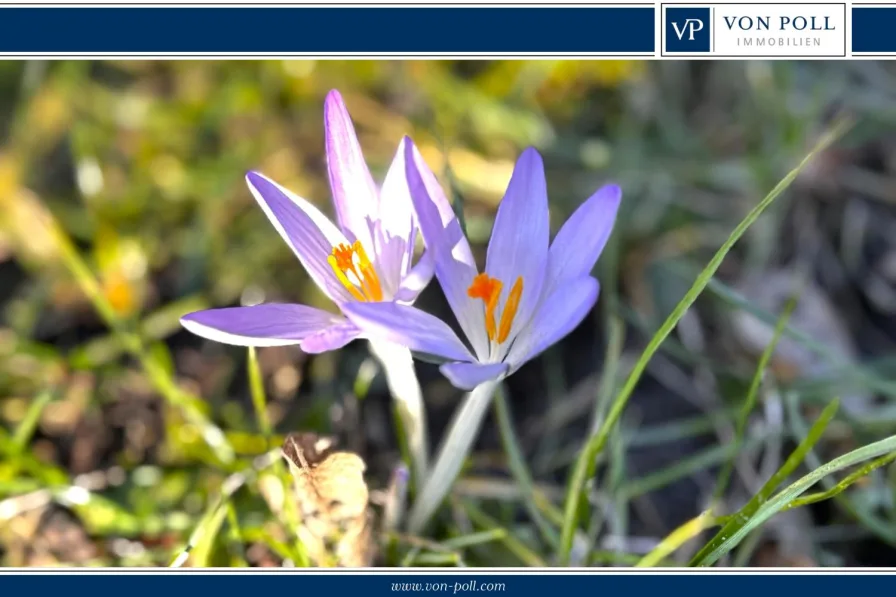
[(333, 500)]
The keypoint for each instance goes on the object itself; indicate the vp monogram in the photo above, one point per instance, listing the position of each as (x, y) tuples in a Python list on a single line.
[(688, 29), (691, 26)]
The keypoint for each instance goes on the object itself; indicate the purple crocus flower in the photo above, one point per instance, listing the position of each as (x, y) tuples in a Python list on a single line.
[(531, 294), (367, 257)]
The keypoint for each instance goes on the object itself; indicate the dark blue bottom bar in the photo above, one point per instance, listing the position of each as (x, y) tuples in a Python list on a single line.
[(873, 29), (285, 30), (463, 583)]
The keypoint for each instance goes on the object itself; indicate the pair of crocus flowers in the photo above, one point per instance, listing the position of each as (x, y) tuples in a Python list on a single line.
[(531, 294)]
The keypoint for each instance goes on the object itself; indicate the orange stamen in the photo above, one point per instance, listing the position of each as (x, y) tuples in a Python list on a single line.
[(343, 255), (510, 308), (489, 290), (364, 284), (371, 281)]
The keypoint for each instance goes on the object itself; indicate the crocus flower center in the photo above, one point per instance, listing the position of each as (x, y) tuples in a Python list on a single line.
[(354, 270), (489, 290)]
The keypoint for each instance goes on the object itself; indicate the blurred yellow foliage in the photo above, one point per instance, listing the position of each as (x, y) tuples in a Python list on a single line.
[(474, 172), (551, 81), (29, 225), (49, 113), (122, 267)]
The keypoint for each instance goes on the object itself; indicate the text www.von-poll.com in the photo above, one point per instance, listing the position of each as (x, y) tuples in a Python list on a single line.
[(470, 586)]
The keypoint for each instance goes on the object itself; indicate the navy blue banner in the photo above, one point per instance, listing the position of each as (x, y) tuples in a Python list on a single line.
[(333, 30), (872, 29), (465, 583)]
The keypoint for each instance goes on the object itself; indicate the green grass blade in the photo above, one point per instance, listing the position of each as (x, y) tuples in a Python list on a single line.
[(863, 512), (439, 559), (743, 516), (202, 539), (364, 379), (235, 539), (511, 542), (474, 539), (518, 467), (206, 537), (259, 403), (585, 465), (792, 462), (256, 389), (609, 371), (676, 539), (842, 485), (793, 491), (26, 428), (217, 509), (752, 397)]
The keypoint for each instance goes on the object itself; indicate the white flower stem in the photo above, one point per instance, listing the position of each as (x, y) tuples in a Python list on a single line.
[(398, 365), (452, 453)]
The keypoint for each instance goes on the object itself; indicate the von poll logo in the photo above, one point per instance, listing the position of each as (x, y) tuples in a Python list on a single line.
[(687, 29), (776, 29)]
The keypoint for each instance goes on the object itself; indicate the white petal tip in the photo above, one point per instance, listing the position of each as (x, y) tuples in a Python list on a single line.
[(216, 335)]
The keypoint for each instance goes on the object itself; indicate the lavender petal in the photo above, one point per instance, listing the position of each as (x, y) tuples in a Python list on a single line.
[(557, 315), (396, 213), (416, 280), (334, 337), (270, 324), (521, 234), (355, 194), (407, 326), (305, 229), (466, 376), (455, 267), (391, 253), (580, 241)]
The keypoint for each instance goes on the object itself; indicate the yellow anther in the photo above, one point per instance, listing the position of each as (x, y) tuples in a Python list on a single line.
[(364, 285)]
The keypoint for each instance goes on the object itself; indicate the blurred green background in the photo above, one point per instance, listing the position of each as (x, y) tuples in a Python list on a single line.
[(123, 206)]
